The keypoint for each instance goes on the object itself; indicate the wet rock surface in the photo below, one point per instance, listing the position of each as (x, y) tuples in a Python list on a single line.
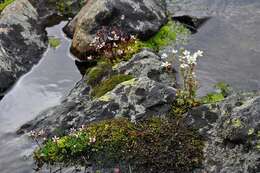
[(22, 42), (143, 18), (141, 97), (231, 129)]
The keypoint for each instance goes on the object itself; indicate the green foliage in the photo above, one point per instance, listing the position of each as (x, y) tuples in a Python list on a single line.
[(95, 74), (167, 34), (224, 90), (183, 103), (154, 145), (4, 4), (54, 42), (109, 84)]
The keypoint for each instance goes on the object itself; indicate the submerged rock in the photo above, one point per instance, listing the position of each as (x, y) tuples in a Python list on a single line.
[(143, 18), (149, 93), (22, 42), (232, 130)]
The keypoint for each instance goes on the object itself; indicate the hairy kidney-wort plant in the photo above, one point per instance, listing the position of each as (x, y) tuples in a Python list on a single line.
[(113, 44), (186, 95)]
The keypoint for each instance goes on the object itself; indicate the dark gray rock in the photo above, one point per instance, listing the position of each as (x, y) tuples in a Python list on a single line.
[(144, 96), (22, 42), (53, 11), (232, 132), (140, 17)]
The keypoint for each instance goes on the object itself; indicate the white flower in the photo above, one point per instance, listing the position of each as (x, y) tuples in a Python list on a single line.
[(92, 140), (199, 53), (123, 17), (174, 51), (186, 53), (55, 139), (120, 52), (132, 37), (164, 55), (166, 64), (89, 58), (183, 66)]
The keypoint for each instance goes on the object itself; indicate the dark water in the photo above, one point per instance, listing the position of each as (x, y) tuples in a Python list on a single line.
[(230, 40), (43, 87)]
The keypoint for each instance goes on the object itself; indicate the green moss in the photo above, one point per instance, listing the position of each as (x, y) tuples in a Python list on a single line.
[(54, 42), (4, 4), (95, 74), (155, 145), (224, 91), (167, 34), (109, 84)]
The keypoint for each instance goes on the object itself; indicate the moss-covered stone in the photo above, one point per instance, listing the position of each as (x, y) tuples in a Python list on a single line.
[(95, 74), (154, 145), (167, 34), (109, 84), (4, 4)]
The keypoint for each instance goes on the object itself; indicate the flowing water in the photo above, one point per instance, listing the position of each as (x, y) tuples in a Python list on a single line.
[(43, 87)]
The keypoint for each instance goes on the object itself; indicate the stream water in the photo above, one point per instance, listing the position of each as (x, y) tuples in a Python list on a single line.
[(230, 40), (43, 87)]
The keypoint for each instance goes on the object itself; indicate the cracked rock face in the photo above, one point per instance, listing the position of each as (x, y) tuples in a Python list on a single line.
[(22, 42), (141, 17), (143, 96), (232, 132)]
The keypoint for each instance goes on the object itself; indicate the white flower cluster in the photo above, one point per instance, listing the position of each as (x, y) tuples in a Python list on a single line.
[(187, 59)]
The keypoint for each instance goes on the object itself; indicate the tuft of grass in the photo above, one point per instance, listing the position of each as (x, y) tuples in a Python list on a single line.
[(154, 145), (166, 35), (54, 42), (109, 84), (4, 4)]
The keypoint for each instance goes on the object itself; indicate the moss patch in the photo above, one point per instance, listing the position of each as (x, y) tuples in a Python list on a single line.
[(224, 90), (155, 145), (4, 4), (109, 84), (95, 74), (167, 34), (54, 42)]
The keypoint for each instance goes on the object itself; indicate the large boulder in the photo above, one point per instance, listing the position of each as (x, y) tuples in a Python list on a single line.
[(53, 11), (232, 131), (140, 17), (149, 93), (22, 42)]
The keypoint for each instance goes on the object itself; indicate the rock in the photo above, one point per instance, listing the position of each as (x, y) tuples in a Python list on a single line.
[(51, 12), (22, 42), (143, 18), (148, 94), (232, 131)]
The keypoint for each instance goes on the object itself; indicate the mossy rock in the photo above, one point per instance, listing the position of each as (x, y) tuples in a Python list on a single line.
[(95, 74), (4, 4), (167, 34), (154, 145), (109, 84)]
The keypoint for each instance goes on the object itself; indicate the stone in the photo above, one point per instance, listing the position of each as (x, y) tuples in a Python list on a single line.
[(142, 18), (143, 96), (22, 42)]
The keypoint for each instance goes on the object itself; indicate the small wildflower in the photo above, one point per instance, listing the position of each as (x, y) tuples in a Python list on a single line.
[(55, 139), (166, 65), (174, 51), (90, 58), (123, 17), (164, 55), (92, 139)]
